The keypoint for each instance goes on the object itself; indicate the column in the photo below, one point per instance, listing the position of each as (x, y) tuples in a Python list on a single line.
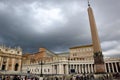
[(20, 64), (85, 69), (69, 68), (109, 68), (7, 64), (88, 68), (82, 68), (112, 68), (55, 68), (61, 69), (52, 69), (79, 69), (66, 68), (73, 66), (92, 68), (13, 63), (57, 65), (1, 63), (116, 66), (105, 67)]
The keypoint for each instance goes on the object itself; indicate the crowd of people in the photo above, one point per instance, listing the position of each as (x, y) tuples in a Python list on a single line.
[(81, 77), (85, 77), (64, 77), (16, 77)]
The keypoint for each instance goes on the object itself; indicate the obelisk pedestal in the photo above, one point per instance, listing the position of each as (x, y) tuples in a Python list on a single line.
[(99, 63)]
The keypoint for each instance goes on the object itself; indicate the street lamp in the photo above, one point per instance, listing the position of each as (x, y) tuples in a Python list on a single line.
[(41, 63), (28, 72)]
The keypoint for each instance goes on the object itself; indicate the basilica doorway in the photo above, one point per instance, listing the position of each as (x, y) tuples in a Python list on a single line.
[(16, 66), (3, 67)]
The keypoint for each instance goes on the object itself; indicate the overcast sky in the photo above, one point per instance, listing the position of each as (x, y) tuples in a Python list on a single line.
[(58, 24)]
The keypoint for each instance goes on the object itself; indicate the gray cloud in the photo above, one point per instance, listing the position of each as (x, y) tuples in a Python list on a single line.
[(57, 25)]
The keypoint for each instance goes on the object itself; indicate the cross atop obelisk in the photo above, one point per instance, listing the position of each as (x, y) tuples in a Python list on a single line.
[(88, 2), (98, 57)]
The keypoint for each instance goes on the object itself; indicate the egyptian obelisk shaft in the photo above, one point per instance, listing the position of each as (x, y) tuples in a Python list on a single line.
[(98, 57)]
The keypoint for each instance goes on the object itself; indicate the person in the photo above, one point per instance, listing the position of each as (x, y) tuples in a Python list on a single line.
[(71, 78), (25, 77), (15, 77), (7, 78), (77, 77), (4, 78), (0, 77), (74, 78), (56, 78), (63, 77), (28, 79), (92, 77)]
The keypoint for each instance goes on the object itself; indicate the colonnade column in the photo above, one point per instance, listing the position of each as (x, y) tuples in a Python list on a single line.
[(79, 68), (52, 69), (116, 66), (82, 68), (85, 68), (92, 69), (112, 68), (105, 67), (61, 69), (119, 66), (75, 67), (88, 68), (109, 68), (67, 68), (70, 67)]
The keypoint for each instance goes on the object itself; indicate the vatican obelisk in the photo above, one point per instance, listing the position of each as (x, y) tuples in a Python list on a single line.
[(98, 56)]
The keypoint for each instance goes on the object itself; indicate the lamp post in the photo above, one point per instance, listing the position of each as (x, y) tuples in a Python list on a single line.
[(68, 65), (28, 72), (41, 74), (41, 63)]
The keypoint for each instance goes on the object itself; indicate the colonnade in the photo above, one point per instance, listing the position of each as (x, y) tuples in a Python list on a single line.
[(82, 68), (66, 68), (112, 67)]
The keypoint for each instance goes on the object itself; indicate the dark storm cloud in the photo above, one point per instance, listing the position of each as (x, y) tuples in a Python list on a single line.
[(57, 24)]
